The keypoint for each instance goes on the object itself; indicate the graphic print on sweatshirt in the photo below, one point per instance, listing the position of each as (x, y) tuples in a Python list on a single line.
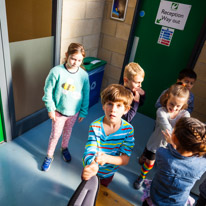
[(69, 86)]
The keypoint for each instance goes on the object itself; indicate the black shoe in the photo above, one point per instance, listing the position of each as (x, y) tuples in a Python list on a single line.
[(138, 183)]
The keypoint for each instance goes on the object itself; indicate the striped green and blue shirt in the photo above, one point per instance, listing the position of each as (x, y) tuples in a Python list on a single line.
[(115, 144)]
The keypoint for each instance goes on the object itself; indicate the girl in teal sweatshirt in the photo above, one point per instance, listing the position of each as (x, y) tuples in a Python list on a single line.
[(66, 97)]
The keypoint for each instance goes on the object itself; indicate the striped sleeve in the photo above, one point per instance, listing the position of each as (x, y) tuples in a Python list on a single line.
[(91, 147), (128, 143)]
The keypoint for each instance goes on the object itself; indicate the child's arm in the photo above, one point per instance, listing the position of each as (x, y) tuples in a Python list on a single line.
[(90, 170), (52, 115), (90, 167), (48, 99), (163, 120), (142, 96), (190, 103), (168, 138), (103, 158), (85, 101), (139, 97)]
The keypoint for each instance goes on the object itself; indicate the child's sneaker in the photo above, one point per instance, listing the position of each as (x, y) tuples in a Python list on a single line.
[(47, 163), (138, 183), (66, 155)]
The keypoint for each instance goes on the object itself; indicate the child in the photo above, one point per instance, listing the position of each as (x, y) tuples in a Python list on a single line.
[(133, 78), (174, 101), (66, 96), (187, 77), (179, 168), (111, 138)]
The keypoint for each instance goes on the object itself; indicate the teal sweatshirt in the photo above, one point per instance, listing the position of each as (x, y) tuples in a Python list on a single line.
[(66, 92)]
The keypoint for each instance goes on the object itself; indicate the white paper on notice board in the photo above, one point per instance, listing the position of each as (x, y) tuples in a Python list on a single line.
[(172, 14)]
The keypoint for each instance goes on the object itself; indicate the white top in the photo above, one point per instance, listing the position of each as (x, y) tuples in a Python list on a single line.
[(163, 122)]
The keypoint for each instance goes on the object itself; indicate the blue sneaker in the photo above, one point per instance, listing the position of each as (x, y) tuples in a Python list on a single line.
[(66, 155), (46, 164)]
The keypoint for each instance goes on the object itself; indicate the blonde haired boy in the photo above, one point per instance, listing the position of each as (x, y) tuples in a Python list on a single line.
[(133, 78)]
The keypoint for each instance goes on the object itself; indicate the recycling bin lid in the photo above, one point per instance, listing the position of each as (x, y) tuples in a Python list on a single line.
[(91, 63)]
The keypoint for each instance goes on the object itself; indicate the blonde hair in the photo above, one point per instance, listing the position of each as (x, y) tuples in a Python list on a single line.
[(117, 93), (132, 69), (177, 90)]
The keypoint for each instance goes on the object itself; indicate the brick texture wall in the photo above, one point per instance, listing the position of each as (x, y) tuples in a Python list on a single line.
[(113, 42), (81, 22), (199, 88)]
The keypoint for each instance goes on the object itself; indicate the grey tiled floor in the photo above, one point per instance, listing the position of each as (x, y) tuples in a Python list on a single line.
[(22, 182)]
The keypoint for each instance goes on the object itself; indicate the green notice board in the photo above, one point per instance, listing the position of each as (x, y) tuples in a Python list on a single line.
[(2, 136)]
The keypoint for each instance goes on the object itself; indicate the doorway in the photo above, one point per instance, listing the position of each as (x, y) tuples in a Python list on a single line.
[(33, 29)]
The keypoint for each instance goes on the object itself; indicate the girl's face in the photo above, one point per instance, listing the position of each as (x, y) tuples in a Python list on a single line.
[(175, 104), (74, 60)]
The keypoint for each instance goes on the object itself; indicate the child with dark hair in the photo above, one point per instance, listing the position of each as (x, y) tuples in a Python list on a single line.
[(179, 165), (188, 78)]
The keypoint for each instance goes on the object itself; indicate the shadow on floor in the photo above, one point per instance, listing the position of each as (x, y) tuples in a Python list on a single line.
[(23, 183)]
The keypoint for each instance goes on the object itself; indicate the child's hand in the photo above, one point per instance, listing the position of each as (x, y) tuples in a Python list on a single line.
[(140, 90), (90, 171), (52, 115), (168, 137), (80, 119), (101, 158), (136, 96)]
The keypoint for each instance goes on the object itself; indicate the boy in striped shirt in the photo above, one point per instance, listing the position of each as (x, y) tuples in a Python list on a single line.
[(111, 139)]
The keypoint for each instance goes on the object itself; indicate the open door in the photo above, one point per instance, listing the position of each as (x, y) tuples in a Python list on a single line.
[(33, 36)]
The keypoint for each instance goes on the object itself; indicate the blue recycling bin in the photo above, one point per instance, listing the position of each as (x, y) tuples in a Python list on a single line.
[(95, 69)]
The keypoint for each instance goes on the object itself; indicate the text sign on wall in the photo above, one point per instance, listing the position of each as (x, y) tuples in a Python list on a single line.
[(172, 14), (165, 36)]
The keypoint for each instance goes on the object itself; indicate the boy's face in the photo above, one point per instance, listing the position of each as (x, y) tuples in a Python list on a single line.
[(134, 83), (189, 82), (114, 111)]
